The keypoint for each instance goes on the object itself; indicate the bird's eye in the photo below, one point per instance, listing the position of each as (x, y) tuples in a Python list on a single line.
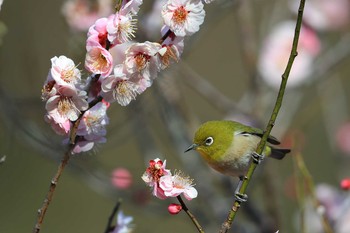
[(209, 141)]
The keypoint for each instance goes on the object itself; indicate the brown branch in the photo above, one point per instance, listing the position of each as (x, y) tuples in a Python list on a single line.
[(52, 188), (192, 217)]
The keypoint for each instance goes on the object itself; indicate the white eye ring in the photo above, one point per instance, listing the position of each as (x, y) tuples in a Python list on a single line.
[(209, 141)]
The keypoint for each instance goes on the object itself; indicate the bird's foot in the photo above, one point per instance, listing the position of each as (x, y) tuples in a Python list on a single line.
[(241, 197), (257, 158)]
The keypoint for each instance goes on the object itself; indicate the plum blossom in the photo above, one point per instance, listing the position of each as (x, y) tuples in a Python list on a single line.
[(60, 128), (276, 50), (64, 71), (121, 28), (172, 48), (177, 184), (98, 32), (166, 185), (94, 120), (130, 6), (98, 60), (91, 128), (153, 174), (142, 63), (66, 104), (123, 224), (119, 88), (183, 17), (81, 14)]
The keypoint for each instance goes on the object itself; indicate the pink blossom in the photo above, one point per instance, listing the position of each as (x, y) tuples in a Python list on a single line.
[(81, 14), (98, 32), (121, 28), (177, 184), (130, 6), (153, 174), (64, 71), (59, 128), (49, 89), (98, 60), (119, 88), (276, 50), (67, 104), (174, 208), (172, 48), (183, 17), (142, 62), (93, 121)]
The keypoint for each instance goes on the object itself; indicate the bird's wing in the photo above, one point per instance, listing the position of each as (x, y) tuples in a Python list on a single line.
[(270, 139)]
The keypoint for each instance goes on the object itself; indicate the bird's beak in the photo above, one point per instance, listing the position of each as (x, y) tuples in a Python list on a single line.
[(192, 147)]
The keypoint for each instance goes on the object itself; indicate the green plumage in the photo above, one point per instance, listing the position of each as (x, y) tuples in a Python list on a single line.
[(227, 146)]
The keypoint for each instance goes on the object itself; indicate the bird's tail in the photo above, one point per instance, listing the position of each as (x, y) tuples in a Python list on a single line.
[(278, 153)]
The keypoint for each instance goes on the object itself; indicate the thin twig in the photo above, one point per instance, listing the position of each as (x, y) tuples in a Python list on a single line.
[(311, 188), (232, 213), (112, 216), (192, 217), (53, 184)]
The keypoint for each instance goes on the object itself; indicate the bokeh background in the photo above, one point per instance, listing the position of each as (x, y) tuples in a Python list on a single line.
[(219, 77)]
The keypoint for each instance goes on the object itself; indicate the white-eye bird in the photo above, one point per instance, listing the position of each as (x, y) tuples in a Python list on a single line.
[(227, 146)]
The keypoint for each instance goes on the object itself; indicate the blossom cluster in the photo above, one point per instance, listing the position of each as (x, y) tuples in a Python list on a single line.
[(120, 77), (164, 184)]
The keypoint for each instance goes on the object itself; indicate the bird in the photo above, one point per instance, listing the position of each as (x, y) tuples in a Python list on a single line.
[(227, 147)]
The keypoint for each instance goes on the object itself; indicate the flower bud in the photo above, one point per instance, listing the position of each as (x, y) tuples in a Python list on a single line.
[(345, 184), (174, 208)]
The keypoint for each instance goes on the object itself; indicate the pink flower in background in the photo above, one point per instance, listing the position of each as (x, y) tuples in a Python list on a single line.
[(152, 22), (153, 174), (121, 178), (67, 104), (64, 71), (119, 88), (81, 14), (325, 14), (98, 60), (276, 50), (143, 59), (183, 17), (121, 28), (177, 184)]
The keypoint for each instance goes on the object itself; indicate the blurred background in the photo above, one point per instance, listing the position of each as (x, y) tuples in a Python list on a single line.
[(230, 69)]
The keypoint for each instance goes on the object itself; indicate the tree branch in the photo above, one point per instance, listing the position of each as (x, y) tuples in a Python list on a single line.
[(236, 205)]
